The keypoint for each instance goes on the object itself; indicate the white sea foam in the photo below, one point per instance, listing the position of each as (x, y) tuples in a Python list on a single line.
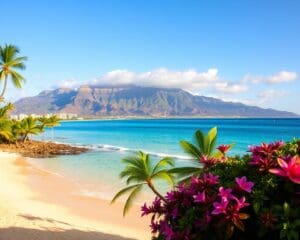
[(113, 148)]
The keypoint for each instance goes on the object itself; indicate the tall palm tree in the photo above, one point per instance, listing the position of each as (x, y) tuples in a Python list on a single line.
[(10, 62), (29, 126), (140, 172)]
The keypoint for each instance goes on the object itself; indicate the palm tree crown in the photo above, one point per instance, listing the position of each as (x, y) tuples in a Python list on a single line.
[(29, 126), (139, 171), (10, 62)]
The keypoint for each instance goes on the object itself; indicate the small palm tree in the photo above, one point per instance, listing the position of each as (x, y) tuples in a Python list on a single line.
[(6, 134), (50, 122), (10, 62), (5, 110), (204, 146), (139, 172), (29, 126), (16, 130)]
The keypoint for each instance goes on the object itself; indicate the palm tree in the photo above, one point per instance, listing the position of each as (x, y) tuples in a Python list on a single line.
[(140, 171), (16, 130), (204, 146), (6, 134), (5, 110), (50, 122), (53, 122), (9, 63), (29, 126)]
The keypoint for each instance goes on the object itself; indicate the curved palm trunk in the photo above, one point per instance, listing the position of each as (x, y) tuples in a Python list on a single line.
[(4, 89), (25, 138), (151, 186)]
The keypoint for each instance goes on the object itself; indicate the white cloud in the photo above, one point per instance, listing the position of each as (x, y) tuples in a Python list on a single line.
[(190, 80), (228, 88), (269, 95), (280, 77), (69, 84)]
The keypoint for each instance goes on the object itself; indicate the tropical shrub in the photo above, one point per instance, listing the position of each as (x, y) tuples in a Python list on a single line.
[(255, 196), (12, 131), (141, 171)]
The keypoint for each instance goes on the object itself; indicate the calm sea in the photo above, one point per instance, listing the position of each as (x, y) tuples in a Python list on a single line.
[(111, 140)]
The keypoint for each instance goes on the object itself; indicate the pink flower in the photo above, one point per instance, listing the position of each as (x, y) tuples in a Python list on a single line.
[(243, 184), (145, 210), (210, 179), (263, 155), (200, 197), (207, 161), (220, 207), (240, 203), (289, 169), (224, 148), (225, 193)]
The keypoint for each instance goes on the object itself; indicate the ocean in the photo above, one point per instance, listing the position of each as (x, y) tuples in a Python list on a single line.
[(111, 140)]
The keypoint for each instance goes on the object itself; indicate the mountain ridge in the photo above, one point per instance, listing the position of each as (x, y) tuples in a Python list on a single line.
[(131, 100)]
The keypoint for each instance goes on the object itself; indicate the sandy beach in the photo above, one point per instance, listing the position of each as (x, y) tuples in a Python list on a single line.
[(36, 205)]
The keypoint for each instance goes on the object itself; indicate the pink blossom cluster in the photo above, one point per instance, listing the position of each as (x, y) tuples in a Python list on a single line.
[(264, 156), (214, 203)]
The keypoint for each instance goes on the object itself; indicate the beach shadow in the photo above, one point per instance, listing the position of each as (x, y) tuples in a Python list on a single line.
[(17, 233)]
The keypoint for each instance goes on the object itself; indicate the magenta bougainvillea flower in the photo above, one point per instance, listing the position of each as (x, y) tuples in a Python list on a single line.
[(244, 184), (288, 168), (200, 197), (207, 161), (220, 207), (214, 203), (224, 148), (263, 155), (225, 193)]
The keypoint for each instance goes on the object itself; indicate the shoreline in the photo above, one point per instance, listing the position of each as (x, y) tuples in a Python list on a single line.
[(116, 118), (41, 200)]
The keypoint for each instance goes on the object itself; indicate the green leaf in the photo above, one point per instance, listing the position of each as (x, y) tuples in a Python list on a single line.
[(190, 149), (130, 198), (123, 191), (286, 209), (167, 161), (185, 170), (164, 175), (200, 138), (211, 141)]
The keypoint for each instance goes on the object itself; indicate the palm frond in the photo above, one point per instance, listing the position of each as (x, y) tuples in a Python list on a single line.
[(211, 140), (130, 199), (190, 149), (164, 175), (183, 171), (164, 162), (123, 191), (200, 139)]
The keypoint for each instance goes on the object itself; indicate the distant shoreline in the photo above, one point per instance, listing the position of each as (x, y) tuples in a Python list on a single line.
[(169, 118)]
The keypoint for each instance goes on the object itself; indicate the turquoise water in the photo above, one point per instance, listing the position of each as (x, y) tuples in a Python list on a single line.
[(111, 140)]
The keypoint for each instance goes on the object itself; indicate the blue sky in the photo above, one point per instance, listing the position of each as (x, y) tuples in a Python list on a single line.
[(244, 51)]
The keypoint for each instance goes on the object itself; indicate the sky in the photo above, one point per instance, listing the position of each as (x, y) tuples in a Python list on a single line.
[(245, 51)]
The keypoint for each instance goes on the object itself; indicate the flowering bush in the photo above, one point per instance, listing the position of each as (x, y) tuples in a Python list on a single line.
[(256, 196)]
